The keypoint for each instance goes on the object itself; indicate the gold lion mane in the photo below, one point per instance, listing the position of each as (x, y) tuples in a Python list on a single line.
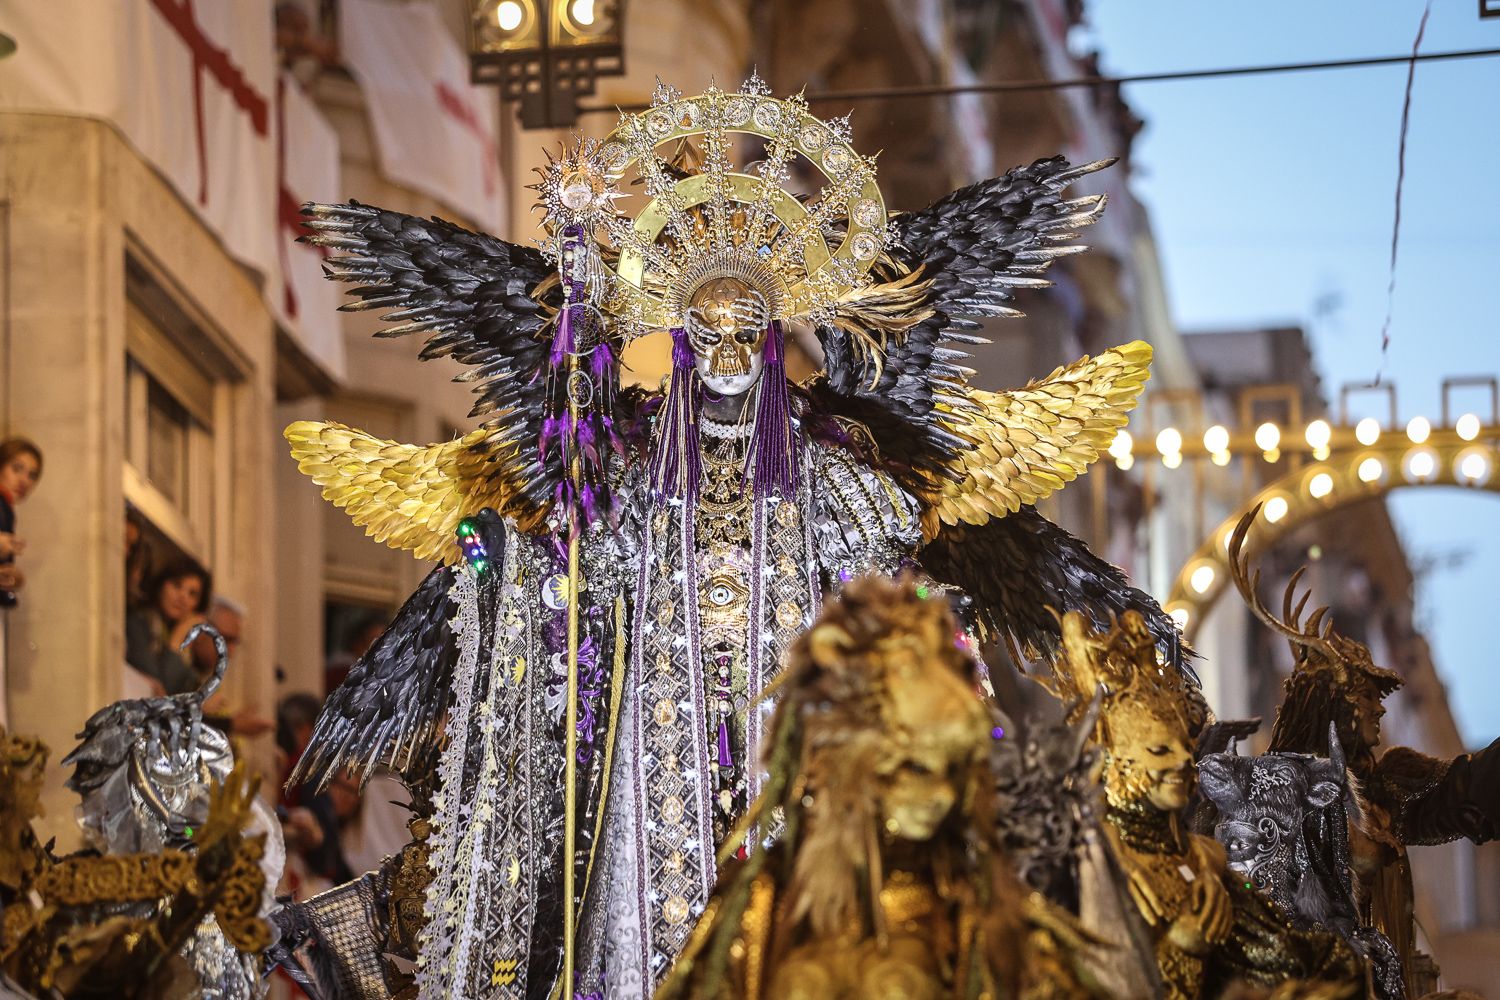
[(837, 699)]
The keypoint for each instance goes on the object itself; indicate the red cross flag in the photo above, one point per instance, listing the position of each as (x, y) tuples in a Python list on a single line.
[(435, 131), (188, 84)]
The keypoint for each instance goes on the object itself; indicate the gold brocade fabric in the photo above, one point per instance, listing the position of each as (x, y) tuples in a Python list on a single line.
[(1153, 852)]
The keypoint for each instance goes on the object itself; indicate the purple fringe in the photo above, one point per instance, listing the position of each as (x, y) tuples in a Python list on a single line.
[(601, 362), (772, 459), (675, 465), (562, 340)]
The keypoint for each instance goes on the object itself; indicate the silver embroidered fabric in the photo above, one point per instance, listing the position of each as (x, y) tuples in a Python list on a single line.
[(485, 846), (862, 521), (621, 919), (653, 868)]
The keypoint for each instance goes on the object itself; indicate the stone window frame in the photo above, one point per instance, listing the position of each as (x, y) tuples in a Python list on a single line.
[(162, 384), (174, 344)]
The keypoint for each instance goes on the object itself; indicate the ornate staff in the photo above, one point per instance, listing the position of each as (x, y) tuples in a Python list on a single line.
[(581, 401), (581, 378), (565, 344), (570, 763)]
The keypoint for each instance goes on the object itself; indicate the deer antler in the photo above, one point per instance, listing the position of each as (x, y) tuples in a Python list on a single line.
[(1248, 584), (1289, 613)]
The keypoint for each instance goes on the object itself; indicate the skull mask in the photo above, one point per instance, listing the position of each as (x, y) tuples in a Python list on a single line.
[(726, 324)]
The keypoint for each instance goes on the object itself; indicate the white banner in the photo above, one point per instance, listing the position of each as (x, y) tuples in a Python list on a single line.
[(308, 157), (192, 85), (189, 85), (434, 130)]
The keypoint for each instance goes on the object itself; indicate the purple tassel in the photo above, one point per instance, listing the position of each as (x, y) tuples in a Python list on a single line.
[(773, 451), (551, 434), (590, 503), (581, 435), (601, 361), (725, 760), (682, 349), (587, 442), (675, 464), (562, 340)]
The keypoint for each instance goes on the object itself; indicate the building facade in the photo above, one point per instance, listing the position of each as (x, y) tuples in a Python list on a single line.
[(1356, 564)]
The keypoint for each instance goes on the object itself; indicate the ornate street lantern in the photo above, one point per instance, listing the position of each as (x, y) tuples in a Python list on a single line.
[(546, 54)]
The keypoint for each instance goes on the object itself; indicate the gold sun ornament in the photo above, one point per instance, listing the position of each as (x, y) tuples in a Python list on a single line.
[(576, 187)]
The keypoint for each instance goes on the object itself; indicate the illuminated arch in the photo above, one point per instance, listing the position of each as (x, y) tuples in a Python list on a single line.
[(1315, 489)]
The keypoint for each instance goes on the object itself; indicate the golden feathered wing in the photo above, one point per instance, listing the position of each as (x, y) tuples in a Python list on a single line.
[(409, 496), (976, 455), (1029, 442), (478, 300)]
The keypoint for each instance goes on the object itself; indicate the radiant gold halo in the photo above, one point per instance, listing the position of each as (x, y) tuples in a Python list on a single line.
[(695, 213)]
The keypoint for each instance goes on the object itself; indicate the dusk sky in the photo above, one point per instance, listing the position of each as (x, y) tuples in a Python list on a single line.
[(1271, 193)]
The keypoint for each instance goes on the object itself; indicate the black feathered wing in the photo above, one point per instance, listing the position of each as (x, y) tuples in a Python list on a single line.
[(476, 299), (389, 709), (979, 244), (894, 360), (976, 460), (1022, 571)]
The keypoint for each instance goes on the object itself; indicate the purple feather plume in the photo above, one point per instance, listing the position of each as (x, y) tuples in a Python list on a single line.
[(580, 435)]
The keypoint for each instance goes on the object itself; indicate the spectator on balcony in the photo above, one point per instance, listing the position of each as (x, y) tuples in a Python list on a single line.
[(137, 559), (301, 47), (176, 600), (228, 618), (20, 468)]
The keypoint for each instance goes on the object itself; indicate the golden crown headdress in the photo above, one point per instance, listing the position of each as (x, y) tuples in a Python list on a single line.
[(803, 255)]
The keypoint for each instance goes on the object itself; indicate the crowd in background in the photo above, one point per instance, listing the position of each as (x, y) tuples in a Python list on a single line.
[(163, 605), (333, 834), (339, 832)]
